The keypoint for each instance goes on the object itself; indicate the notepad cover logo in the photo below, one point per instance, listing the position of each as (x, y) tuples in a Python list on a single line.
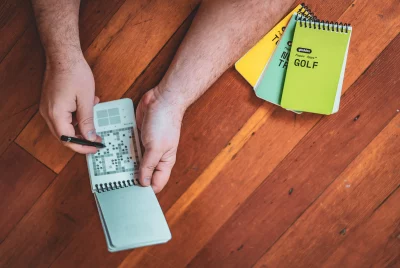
[(304, 50)]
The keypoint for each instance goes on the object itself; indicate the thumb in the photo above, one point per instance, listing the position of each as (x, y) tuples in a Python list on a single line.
[(150, 160), (84, 115)]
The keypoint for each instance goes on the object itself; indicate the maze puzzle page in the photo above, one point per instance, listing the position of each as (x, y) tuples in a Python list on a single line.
[(120, 154)]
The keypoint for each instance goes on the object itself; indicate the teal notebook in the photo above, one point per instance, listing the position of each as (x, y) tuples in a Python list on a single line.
[(270, 85), (129, 213), (131, 217), (317, 62)]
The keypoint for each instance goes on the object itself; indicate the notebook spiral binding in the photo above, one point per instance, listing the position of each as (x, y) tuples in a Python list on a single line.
[(105, 187), (324, 25), (306, 12)]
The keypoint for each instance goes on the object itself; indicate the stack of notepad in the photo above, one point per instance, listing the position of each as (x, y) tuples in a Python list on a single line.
[(311, 79)]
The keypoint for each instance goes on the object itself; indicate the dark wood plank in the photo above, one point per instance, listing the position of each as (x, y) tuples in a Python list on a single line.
[(22, 69), (343, 208), (38, 129), (313, 164), (53, 221), (11, 126), (23, 180), (375, 243), (118, 55), (93, 17), (15, 16)]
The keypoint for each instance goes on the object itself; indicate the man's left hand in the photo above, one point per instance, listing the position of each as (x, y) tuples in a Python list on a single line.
[(159, 122)]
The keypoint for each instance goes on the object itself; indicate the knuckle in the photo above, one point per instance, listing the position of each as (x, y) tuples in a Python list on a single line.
[(86, 121)]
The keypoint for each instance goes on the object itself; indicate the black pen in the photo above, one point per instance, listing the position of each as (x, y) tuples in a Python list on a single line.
[(82, 142)]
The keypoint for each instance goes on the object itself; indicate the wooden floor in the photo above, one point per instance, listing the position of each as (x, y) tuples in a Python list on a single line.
[(253, 184)]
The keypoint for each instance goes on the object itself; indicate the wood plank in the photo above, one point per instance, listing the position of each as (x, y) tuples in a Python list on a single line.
[(23, 180), (88, 248), (22, 69), (53, 221), (154, 72), (93, 17), (375, 243), (15, 16), (123, 49), (343, 208), (11, 127), (313, 164), (32, 138)]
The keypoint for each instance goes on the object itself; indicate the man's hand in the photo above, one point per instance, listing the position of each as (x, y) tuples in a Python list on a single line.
[(68, 87), (160, 124)]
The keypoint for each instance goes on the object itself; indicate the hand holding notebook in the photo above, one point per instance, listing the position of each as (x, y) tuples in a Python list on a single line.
[(129, 213)]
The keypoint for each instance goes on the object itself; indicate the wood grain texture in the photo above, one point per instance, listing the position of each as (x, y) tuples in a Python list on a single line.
[(118, 55), (312, 165), (375, 243), (343, 207), (35, 135), (52, 222), (23, 180), (15, 16)]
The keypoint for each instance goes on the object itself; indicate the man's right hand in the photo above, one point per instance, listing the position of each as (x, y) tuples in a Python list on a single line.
[(68, 88)]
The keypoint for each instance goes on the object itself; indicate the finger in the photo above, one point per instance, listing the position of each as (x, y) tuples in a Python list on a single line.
[(139, 115), (161, 176), (150, 160), (75, 121), (62, 125), (84, 115)]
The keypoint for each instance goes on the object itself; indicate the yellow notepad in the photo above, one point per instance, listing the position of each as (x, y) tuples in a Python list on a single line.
[(251, 65)]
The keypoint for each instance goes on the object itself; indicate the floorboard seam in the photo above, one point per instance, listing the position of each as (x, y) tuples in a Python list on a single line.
[(33, 204)]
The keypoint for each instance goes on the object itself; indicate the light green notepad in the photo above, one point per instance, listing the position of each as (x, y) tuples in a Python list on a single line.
[(270, 85), (316, 67)]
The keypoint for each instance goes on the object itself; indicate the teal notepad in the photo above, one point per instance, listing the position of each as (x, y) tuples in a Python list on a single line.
[(316, 67), (129, 213), (270, 85), (131, 217)]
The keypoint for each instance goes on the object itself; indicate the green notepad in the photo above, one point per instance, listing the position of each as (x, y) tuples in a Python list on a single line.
[(316, 67), (270, 85)]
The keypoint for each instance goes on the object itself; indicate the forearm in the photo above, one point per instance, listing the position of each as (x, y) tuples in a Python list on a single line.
[(222, 31), (57, 23)]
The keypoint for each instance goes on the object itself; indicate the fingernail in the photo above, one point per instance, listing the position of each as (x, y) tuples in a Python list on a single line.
[(147, 181), (91, 135)]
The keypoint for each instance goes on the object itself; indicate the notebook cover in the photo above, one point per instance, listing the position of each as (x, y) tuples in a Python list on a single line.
[(251, 65), (316, 67), (270, 84), (131, 218)]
